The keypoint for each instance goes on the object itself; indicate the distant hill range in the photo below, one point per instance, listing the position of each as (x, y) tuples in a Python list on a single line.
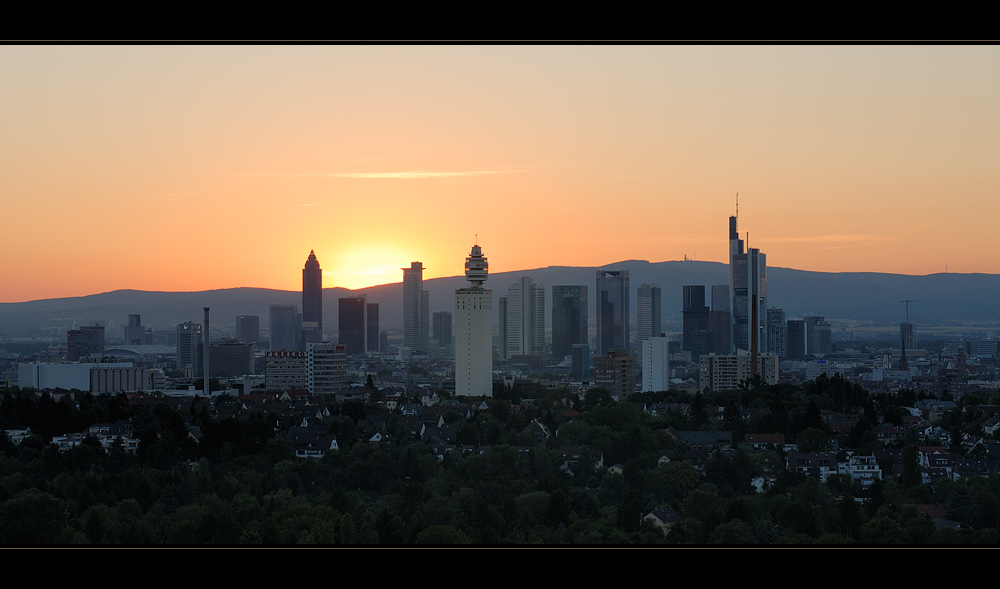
[(944, 299)]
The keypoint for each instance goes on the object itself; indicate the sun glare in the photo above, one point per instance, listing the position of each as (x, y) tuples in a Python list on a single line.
[(362, 268)]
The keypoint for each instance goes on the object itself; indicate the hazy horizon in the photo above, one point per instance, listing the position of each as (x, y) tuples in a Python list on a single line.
[(399, 282)]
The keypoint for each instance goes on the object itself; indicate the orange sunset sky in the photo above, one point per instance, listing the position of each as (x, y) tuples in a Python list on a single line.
[(186, 168)]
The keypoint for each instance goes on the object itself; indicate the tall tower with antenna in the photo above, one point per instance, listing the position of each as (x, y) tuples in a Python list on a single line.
[(474, 330), (747, 291)]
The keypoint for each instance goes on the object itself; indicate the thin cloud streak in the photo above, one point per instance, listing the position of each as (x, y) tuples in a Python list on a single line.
[(417, 175)]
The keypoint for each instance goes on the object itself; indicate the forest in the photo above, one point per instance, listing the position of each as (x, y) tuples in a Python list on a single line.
[(240, 483)]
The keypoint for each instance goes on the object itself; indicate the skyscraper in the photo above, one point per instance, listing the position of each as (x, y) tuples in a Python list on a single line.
[(569, 319), (817, 330), (474, 330), (415, 302), (312, 301), (525, 318), (795, 339), (581, 361), (720, 328), (286, 327), (612, 311), (353, 322), (502, 332), (135, 333), (747, 292), (442, 328), (720, 297), (777, 332), (189, 348), (374, 340), (83, 342), (648, 312), (719, 337), (248, 328), (695, 334)]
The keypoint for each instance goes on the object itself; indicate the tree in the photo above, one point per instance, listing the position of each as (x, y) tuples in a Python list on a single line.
[(34, 517), (442, 534), (813, 440), (911, 467)]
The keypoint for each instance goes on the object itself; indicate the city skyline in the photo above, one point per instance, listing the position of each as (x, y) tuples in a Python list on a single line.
[(163, 160)]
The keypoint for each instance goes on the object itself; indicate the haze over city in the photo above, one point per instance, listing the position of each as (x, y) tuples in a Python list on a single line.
[(183, 168)]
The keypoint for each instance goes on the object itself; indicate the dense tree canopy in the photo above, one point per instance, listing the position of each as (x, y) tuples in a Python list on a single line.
[(238, 481)]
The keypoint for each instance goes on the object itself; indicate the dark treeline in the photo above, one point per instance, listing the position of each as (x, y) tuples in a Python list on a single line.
[(240, 483)]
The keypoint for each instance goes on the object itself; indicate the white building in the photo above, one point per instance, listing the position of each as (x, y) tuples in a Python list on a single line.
[(474, 331), (326, 367), (525, 320), (284, 370), (655, 356), (106, 377)]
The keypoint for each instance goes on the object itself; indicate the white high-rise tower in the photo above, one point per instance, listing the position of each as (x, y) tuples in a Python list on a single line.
[(474, 331)]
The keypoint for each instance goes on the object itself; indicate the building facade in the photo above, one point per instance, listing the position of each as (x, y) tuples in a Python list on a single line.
[(777, 332), (228, 357), (286, 328), (655, 364), (248, 328), (189, 348), (474, 330), (795, 339), (374, 339), (86, 341), (612, 311), (569, 319), (353, 324), (615, 371), (907, 336), (525, 318), (726, 372), (326, 368), (648, 312), (415, 303), (581, 361), (442, 328), (695, 336), (285, 370), (135, 334)]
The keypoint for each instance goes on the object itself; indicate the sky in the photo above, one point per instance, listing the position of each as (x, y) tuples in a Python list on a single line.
[(185, 168)]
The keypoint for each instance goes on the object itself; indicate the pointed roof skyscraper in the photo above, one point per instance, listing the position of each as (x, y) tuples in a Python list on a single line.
[(312, 292)]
